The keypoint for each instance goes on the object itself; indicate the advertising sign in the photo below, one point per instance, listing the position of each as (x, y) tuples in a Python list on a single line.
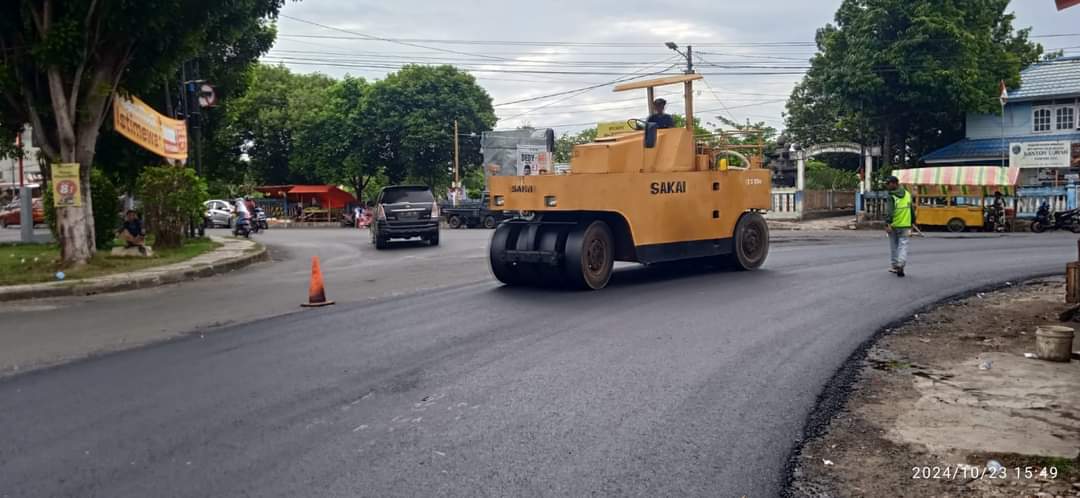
[(1076, 155), (533, 160), (1040, 154), (65, 185), (612, 128), (152, 131)]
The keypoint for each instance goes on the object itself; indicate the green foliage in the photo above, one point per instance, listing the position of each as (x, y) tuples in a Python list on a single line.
[(312, 129), (820, 176), (564, 145), (412, 112), (473, 181), (172, 197), (106, 202), (106, 208), (263, 121), (88, 49), (331, 139), (904, 72)]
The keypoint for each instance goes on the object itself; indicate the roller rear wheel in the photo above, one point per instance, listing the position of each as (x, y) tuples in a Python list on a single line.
[(505, 272), (751, 242), (589, 256)]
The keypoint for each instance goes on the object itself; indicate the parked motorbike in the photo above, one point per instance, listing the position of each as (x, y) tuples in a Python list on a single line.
[(1047, 219), (347, 219), (259, 220), (242, 228)]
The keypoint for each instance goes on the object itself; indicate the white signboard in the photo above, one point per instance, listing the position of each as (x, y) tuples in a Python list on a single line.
[(533, 160), (1040, 154)]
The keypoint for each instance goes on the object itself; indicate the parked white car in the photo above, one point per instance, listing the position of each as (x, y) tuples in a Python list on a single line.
[(219, 213)]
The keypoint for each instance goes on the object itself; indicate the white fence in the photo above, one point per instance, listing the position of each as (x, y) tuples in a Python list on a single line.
[(785, 204)]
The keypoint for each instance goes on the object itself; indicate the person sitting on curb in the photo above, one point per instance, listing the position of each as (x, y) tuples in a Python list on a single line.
[(132, 231)]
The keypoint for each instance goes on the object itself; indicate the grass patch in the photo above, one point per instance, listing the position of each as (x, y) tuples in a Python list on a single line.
[(35, 263)]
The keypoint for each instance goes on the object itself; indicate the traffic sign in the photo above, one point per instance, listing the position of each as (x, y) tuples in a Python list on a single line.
[(207, 96)]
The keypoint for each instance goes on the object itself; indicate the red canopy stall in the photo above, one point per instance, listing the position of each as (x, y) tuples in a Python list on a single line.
[(318, 202)]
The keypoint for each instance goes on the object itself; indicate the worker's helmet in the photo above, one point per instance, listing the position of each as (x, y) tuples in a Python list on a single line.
[(892, 179), (660, 102)]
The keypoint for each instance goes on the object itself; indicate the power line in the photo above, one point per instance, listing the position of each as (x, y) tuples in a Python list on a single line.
[(388, 40), (583, 91), (555, 43), (575, 90)]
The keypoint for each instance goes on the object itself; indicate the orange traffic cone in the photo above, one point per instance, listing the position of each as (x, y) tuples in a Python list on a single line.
[(316, 292)]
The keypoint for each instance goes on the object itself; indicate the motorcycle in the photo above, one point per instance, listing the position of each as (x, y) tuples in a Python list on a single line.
[(996, 219), (1046, 219), (242, 228), (260, 220)]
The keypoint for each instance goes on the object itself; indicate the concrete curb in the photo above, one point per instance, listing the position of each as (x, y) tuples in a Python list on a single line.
[(234, 254)]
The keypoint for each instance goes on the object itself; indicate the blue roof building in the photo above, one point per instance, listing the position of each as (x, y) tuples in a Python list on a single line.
[(1042, 115)]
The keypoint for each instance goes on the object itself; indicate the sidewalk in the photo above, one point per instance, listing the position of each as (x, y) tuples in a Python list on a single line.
[(831, 223), (233, 254)]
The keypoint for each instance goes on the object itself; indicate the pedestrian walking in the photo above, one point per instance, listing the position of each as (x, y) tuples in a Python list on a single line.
[(899, 218)]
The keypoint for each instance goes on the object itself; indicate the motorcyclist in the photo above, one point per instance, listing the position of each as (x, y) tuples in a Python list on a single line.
[(242, 211), (997, 213)]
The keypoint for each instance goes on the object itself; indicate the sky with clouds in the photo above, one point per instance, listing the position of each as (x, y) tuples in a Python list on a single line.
[(751, 53)]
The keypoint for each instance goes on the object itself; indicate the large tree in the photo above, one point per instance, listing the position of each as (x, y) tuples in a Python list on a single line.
[(263, 122), (62, 61), (904, 72), (412, 115), (332, 137)]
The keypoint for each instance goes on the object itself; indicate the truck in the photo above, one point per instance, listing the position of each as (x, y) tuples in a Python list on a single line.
[(649, 196), (504, 152), (473, 213)]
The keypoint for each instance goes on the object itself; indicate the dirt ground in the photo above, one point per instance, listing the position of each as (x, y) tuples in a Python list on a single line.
[(938, 398)]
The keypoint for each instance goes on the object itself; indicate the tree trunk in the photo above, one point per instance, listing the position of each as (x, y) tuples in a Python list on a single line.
[(75, 225)]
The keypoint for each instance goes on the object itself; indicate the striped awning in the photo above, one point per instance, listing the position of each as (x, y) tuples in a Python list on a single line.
[(964, 180)]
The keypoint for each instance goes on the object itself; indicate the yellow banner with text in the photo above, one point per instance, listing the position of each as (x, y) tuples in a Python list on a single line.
[(152, 131)]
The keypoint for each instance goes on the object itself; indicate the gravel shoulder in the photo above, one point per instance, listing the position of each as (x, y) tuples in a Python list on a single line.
[(938, 397)]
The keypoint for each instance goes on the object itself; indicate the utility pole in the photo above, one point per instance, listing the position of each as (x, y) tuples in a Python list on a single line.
[(457, 178), (688, 92), (193, 118), (19, 147)]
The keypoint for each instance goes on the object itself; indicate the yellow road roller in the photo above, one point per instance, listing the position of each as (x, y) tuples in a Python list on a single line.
[(649, 195)]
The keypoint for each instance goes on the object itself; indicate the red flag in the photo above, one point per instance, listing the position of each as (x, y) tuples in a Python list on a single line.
[(1004, 94), (1064, 4)]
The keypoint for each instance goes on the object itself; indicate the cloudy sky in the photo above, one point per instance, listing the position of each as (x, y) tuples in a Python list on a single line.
[(752, 53)]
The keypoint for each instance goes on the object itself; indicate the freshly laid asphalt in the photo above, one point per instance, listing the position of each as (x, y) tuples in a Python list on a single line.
[(674, 381)]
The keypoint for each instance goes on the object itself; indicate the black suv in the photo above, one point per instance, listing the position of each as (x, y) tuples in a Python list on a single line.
[(405, 211)]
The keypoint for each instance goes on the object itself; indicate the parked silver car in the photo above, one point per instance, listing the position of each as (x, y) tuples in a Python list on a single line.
[(219, 213)]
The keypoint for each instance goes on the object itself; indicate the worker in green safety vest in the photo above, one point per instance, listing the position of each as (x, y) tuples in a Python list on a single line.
[(899, 218)]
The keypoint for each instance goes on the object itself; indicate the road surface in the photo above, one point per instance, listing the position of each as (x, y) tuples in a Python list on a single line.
[(671, 382), (38, 333)]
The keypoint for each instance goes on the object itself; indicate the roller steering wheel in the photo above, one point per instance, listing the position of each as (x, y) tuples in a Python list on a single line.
[(635, 123)]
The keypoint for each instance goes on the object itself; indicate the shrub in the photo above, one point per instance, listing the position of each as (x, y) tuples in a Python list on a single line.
[(172, 197), (106, 205)]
